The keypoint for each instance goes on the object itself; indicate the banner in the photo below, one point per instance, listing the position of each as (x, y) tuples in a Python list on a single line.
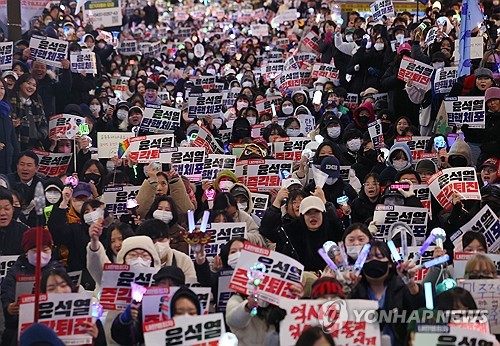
[(144, 149), (376, 134), (206, 82), (485, 222), (201, 105), (221, 234), (205, 139), (423, 193), (115, 198), (48, 50), (108, 143), (486, 294), (468, 110), (64, 126), (311, 41), (128, 47), (52, 164), (415, 218), (282, 272), (116, 292), (382, 8), (223, 291), (186, 161), (83, 61), (120, 84), (289, 80), (462, 180), (160, 119), (444, 79), (417, 145), (6, 262), (260, 202), (441, 334), (65, 313), (416, 71), (214, 163), (325, 70), (186, 330), (264, 106), (290, 148), (6, 52), (153, 306), (286, 15), (150, 49), (106, 13), (263, 175), (461, 258)]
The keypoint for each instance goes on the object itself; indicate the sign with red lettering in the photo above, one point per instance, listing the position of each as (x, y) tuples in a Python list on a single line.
[(462, 180)]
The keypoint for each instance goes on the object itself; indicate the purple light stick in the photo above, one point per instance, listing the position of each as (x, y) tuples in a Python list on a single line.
[(360, 262), (343, 254), (430, 239)]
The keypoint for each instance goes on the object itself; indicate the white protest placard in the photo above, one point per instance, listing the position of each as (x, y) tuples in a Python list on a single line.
[(302, 314), (205, 139), (461, 258), (416, 71), (293, 79), (376, 134), (144, 149), (260, 202), (485, 222), (186, 330), (325, 70), (282, 272), (186, 161), (108, 143), (431, 36), (65, 313), (223, 291), (413, 217), (270, 71), (417, 145), (214, 163), (311, 41), (201, 105), (345, 171), (120, 84), (286, 16), (106, 13), (462, 180), (116, 291), (25, 284), (206, 82), (115, 198), (289, 148), (153, 302), (476, 47), (83, 61), (486, 294), (442, 334), (48, 50), (310, 58), (259, 30), (221, 233), (307, 123), (382, 8), (444, 79), (6, 52), (264, 106), (128, 47), (160, 119), (352, 101), (52, 164), (468, 110), (229, 96), (64, 126), (6, 262), (263, 175), (423, 193)]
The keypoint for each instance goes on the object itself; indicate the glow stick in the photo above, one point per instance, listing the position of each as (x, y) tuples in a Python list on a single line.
[(273, 108), (404, 245), (343, 254), (360, 262), (137, 292), (327, 259), (429, 302), (191, 224), (440, 235), (255, 276), (423, 248), (96, 311), (434, 262), (394, 251), (204, 221)]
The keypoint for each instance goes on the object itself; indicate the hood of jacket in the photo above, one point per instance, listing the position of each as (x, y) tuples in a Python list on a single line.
[(406, 150), (367, 106), (303, 109), (460, 147), (138, 242)]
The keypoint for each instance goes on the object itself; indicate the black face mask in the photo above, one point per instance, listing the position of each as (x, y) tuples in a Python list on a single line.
[(375, 269), (457, 161), (96, 178), (17, 213), (364, 120), (386, 127), (241, 133)]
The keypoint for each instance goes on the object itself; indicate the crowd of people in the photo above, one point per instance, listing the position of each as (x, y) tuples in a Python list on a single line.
[(303, 212)]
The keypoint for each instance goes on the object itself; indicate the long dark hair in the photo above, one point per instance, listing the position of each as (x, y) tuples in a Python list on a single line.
[(336, 152), (173, 209), (124, 229), (24, 78), (57, 272)]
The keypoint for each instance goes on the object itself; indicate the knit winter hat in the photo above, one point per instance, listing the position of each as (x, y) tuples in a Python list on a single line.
[(483, 72), (492, 93), (326, 286), (29, 238)]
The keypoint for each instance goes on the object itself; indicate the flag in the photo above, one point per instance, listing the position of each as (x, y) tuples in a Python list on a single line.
[(122, 148), (472, 16)]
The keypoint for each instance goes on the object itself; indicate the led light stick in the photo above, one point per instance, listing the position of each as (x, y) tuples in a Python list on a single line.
[(440, 235), (360, 262), (191, 223), (429, 302), (394, 252), (423, 248), (39, 205), (71, 182), (436, 261), (96, 311), (343, 254), (197, 237), (137, 292), (255, 276)]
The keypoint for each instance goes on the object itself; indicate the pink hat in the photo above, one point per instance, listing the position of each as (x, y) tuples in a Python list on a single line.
[(405, 46), (492, 93)]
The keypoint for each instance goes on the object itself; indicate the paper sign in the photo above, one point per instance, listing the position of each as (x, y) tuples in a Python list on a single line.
[(6, 52), (311, 41), (206, 82), (453, 336), (290, 148), (120, 84), (417, 145), (205, 139), (461, 258), (264, 106), (115, 198), (382, 8), (444, 79), (263, 175), (64, 126), (307, 124), (145, 149), (161, 119), (6, 262), (259, 30), (83, 61), (423, 193), (376, 134), (201, 105), (48, 50), (325, 70), (128, 47), (294, 79), (416, 71), (415, 218), (260, 202), (108, 143), (186, 161), (223, 291), (52, 164), (468, 110), (105, 13), (214, 163)]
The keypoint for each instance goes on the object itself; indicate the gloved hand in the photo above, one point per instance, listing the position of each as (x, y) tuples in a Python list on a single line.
[(409, 193), (356, 67), (372, 227), (348, 77), (368, 44)]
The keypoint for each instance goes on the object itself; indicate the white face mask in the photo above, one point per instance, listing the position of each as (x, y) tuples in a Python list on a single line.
[(243, 206), (400, 165), (293, 132), (349, 38), (44, 258), (225, 185), (95, 108), (241, 105), (217, 122), (92, 217), (128, 73), (139, 261), (211, 71), (287, 110), (163, 248), (53, 196), (190, 56), (334, 132), (353, 251), (354, 144), (163, 215), (233, 258), (247, 84), (121, 114), (400, 37), (378, 46), (252, 120), (437, 65)]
